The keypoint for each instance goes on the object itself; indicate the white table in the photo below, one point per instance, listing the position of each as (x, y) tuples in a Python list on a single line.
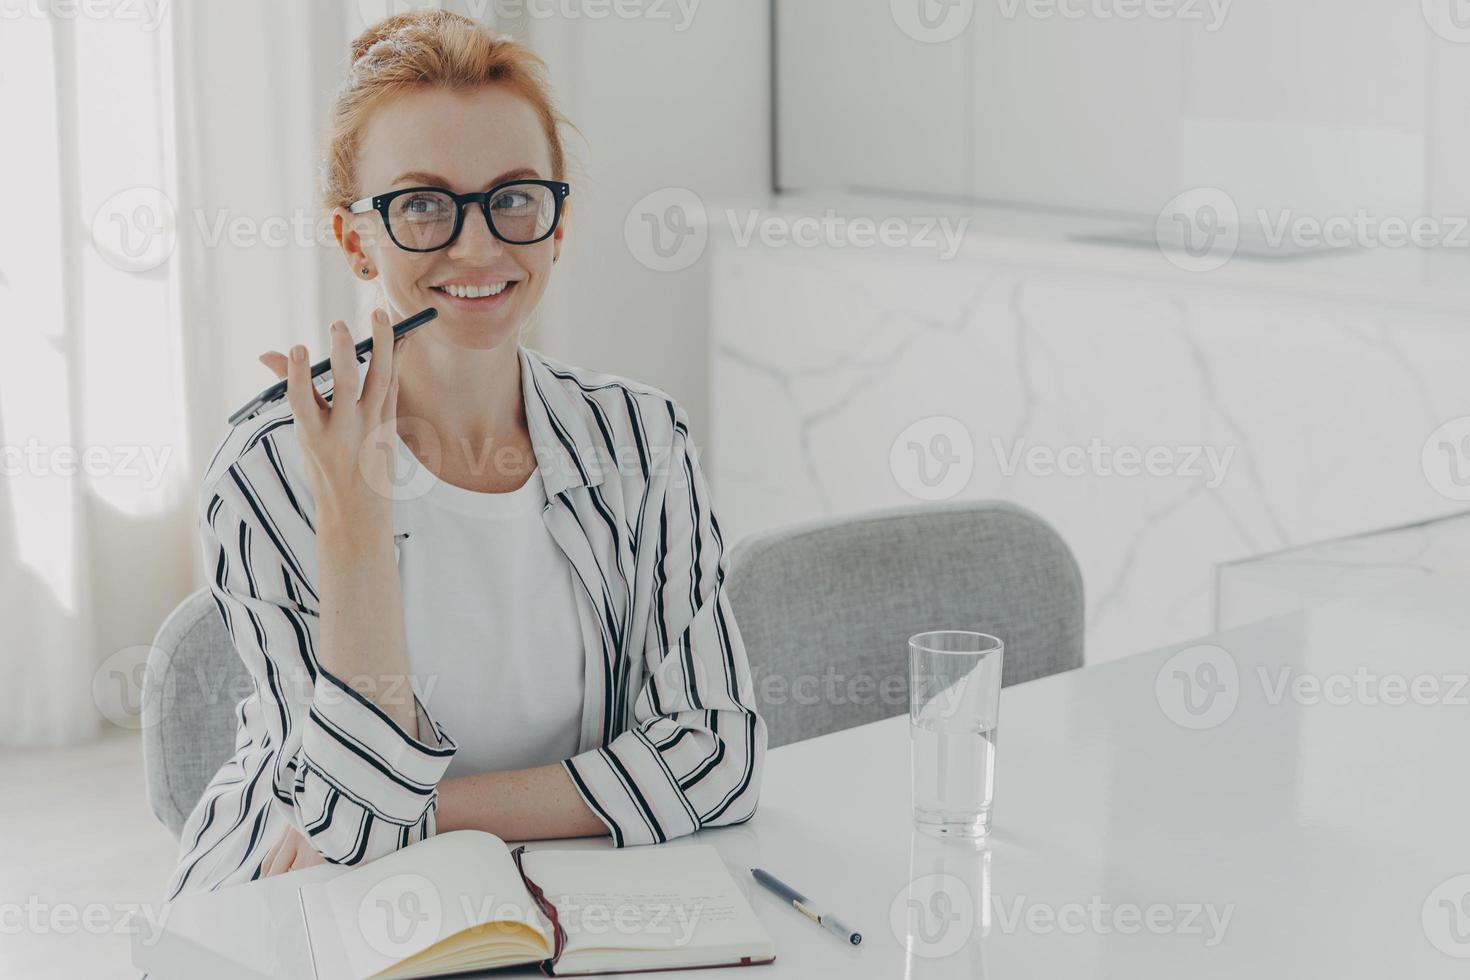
[(1255, 588), (1333, 835)]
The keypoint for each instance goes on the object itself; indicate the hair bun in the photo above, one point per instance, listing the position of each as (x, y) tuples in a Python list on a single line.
[(388, 27), (428, 48)]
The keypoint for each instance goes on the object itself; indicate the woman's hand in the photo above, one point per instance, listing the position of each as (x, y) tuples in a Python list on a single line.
[(350, 446), (348, 442), (291, 852)]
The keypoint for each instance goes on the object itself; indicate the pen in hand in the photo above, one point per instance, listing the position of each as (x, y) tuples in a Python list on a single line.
[(802, 905)]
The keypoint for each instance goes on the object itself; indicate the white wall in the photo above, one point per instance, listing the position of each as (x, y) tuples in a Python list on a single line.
[(660, 108), (1314, 105)]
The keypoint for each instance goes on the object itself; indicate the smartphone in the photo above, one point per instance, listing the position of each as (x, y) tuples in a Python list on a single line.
[(277, 391)]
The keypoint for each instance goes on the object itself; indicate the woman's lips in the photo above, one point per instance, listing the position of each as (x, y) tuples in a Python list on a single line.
[(479, 302)]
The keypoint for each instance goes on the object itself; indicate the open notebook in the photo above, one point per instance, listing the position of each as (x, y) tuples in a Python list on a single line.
[(463, 901)]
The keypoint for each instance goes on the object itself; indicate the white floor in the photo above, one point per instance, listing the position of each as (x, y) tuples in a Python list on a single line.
[(79, 851)]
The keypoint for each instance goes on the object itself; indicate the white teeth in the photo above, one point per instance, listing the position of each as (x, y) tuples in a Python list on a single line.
[(475, 292)]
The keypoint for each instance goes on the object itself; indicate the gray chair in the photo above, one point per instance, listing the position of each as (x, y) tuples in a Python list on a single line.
[(814, 601), (193, 681), (826, 608)]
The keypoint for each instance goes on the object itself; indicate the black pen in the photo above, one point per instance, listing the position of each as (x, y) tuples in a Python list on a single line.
[(277, 391), (799, 900)]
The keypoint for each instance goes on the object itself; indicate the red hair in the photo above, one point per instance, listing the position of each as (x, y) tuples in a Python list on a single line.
[(429, 48)]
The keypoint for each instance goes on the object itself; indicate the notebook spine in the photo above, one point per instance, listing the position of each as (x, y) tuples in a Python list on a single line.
[(559, 934)]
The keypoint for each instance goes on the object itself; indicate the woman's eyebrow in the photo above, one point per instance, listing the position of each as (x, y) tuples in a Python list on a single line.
[(421, 177)]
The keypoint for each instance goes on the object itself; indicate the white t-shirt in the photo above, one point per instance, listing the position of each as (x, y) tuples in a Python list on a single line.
[(494, 639)]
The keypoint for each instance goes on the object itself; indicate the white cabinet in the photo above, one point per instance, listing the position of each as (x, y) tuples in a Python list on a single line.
[(1311, 106)]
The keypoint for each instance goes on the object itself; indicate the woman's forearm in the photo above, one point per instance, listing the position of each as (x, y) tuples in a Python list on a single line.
[(362, 634), (522, 804)]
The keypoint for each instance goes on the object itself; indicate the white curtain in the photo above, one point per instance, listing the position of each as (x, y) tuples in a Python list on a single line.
[(89, 499), (159, 232)]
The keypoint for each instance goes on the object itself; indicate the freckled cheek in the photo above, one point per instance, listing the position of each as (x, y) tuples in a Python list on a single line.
[(407, 273), (535, 287)]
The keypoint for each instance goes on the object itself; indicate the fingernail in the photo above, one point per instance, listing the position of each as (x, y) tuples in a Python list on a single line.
[(298, 353)]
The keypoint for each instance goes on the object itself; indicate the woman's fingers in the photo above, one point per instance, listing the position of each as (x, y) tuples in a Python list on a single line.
[(346, 380), (276, 361), (306, 856), (307, 403), (280, 861), (290, 852), (380, 366), (270, 856), (390, 402)]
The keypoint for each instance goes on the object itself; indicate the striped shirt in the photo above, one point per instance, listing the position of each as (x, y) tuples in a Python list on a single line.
[(670, 740)]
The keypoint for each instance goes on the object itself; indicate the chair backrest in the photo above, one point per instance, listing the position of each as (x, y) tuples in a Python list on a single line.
[(193, 681), (826, 608)]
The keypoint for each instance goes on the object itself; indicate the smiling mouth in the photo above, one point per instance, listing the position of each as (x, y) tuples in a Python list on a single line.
[(480, 294)]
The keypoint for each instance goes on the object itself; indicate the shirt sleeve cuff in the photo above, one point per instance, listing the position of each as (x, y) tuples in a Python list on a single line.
[(631, 789), (355, 745)]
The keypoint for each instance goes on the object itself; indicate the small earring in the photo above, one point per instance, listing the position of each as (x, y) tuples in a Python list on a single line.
[(364, 270)]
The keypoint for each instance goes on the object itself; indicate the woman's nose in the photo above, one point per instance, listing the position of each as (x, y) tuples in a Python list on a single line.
[(475, 237)]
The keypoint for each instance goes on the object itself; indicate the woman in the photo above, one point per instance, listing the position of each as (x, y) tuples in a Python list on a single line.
[(529, 636)]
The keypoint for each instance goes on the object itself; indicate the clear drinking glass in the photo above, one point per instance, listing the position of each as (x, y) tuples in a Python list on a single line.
[(954, 709)]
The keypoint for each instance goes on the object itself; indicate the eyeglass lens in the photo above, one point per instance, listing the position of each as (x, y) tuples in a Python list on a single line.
[(520, 213)]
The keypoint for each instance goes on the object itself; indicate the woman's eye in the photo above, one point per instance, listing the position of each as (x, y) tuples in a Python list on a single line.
[(424, 205), (511, 201)]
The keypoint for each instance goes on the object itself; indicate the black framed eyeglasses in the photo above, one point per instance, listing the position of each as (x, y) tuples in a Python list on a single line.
[(426, 219)]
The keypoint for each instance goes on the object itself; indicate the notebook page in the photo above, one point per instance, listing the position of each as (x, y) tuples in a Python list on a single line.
[(666, 898), (249, 930), (405, 902)]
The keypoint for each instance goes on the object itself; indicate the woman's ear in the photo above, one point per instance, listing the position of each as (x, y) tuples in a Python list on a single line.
[(561, 230), (344, 229)]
